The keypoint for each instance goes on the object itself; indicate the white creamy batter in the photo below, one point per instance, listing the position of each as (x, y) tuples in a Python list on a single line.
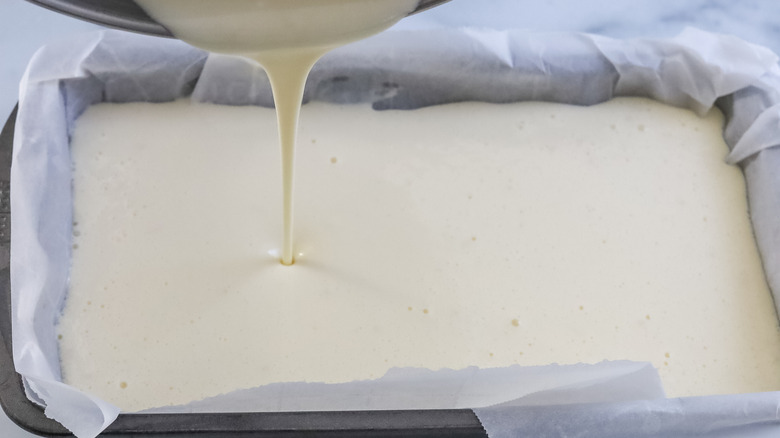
[(286, 37), (467, 234)]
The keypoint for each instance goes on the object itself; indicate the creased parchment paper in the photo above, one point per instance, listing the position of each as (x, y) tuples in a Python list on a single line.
[(401, 70)]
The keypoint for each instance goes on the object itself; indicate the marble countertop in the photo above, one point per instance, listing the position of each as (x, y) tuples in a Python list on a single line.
[(25, 27)]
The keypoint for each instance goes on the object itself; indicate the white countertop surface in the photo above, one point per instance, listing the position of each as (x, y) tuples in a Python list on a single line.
[(25, 27)]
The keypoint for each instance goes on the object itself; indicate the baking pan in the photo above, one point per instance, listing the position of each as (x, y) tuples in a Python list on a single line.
[(603, 70)]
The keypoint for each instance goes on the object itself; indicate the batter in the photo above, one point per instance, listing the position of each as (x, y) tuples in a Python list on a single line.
[(286, 37), (457, 235)]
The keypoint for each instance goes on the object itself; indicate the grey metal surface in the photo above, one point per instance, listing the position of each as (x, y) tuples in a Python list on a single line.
[(121, 14), (127, 15)]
